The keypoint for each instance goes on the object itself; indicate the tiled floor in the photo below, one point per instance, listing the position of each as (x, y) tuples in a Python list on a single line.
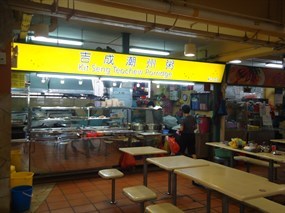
[(93, 195)]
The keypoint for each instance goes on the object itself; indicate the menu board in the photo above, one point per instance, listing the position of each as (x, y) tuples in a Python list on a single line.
[(255, 76), (18, 80)]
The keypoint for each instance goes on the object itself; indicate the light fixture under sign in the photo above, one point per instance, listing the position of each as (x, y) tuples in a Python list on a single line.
[(174, 83), (124, 80), (42, 75)]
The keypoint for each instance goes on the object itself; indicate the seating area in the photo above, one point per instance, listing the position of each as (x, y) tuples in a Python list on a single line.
[(92, 194)]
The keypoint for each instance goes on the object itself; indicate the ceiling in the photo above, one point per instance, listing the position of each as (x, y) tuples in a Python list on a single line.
[(222, 30)]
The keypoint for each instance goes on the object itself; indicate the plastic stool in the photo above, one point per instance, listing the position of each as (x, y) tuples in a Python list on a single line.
[(163, 208), (139, 194), (111, 174)]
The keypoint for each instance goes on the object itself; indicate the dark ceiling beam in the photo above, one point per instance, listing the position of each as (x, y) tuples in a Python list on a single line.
[(65, 13), (198, 14)]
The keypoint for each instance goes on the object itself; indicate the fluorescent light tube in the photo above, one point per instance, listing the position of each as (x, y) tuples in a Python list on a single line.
[(272, 65), (235, 61), (41, 75), (149, 51), (173, 82), (56, 40)]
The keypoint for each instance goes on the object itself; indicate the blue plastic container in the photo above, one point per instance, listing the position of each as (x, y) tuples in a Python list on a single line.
[(21, 197), (165, 131)]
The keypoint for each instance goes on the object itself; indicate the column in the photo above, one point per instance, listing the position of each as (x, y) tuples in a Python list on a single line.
[(126, 42), (5, 127), (5, 105)]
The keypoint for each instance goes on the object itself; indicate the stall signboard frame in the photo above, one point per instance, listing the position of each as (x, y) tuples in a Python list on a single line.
[(49, 59)]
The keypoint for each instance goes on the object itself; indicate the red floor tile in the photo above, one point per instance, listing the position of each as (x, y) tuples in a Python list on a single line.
[(79, 201), (58, 205), (94, 195), (64, 210), (84, 208), (43, 208)]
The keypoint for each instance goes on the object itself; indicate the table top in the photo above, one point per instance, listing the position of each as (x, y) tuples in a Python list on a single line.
[(232, 182), (20, 140), (268, 156), (278, 140), (175, 162), (143, 150)]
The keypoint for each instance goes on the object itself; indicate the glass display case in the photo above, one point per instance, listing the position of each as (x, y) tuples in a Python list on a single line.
[(244, 120)]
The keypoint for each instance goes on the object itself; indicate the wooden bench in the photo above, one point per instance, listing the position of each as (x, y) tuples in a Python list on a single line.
[(249, 160), (266, 205)]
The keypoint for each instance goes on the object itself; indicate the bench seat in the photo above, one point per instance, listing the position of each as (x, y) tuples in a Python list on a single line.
[(255, 161), (248, 161), (266, 205)]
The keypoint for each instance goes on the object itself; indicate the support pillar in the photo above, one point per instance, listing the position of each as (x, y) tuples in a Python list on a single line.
[(6, 17), (126, 42), (5, 127)]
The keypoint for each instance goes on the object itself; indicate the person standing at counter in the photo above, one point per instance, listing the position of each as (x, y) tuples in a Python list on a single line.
[(187, 136)]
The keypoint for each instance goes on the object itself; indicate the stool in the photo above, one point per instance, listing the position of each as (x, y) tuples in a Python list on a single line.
[(111, 174), (163, 208), (139, 194)]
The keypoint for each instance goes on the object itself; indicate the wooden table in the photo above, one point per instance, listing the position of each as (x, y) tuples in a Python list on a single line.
[(231, 182), (267, 156), (170, 163), (144, 151)]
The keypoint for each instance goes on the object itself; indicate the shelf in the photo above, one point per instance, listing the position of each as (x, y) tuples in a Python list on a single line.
[(201, 101)]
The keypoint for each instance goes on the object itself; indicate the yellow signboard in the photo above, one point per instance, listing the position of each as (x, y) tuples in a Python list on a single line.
[(37, 58)]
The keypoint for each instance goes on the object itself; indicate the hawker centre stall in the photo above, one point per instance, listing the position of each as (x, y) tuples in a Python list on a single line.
[(73, 109)]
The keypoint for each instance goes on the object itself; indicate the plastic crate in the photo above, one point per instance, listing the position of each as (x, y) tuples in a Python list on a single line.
[(222, 153)]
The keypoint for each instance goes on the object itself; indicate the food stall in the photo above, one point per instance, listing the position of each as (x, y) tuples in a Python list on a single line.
[(254, 103), (79, 114)]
